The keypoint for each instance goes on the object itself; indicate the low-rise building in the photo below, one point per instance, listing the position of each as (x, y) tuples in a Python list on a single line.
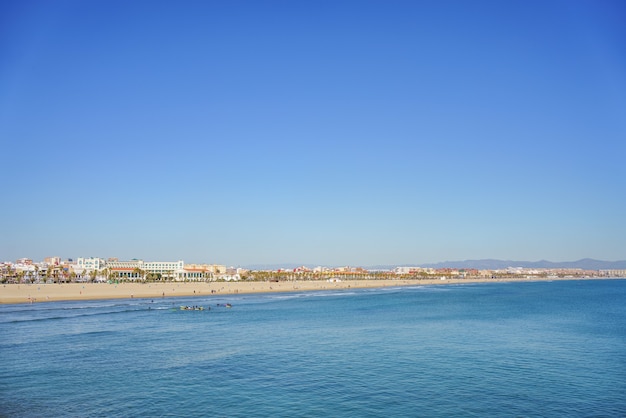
[(613, 273)]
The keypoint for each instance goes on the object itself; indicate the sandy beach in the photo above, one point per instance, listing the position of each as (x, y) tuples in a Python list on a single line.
[(35, 293)]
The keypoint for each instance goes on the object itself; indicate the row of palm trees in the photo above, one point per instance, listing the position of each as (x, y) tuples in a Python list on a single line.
[(138, 274), (51, 274), (310, 275), (57, 274)]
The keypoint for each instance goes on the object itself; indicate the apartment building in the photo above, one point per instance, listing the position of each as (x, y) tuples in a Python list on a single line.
[(613, 273), (90, 264)]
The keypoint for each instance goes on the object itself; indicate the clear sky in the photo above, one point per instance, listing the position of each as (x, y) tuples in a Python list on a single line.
[(314, 132)]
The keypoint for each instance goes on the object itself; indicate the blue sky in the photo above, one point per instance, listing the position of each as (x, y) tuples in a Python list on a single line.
[(313, 132)]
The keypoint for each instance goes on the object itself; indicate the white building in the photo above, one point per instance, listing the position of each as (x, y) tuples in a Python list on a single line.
[(90, 264), (165, 268), (613, 273), (148, 266)]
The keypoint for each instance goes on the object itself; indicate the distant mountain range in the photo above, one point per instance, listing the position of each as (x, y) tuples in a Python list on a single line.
[(490, 264), (487, 264)]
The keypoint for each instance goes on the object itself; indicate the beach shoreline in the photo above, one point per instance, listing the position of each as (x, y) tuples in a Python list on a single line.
[(51, 292)]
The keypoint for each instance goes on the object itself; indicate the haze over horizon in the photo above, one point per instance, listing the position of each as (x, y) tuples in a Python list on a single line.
[(347, 133)]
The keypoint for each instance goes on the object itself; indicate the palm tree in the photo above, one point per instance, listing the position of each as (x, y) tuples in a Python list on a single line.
[(137, 272), (8, 274), (55, 274)]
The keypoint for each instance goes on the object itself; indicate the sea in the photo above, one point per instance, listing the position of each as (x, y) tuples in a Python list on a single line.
[(529, 349)]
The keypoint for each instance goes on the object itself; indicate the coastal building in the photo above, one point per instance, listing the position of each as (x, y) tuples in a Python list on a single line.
[(195, 274), (52, 261), (406, 270), (200, 272), (159, 270), (124, 269), (229, 277), (135, 269), (123, 264), (90, 264), (26, 269), (126, 273), (165, 268), (613, 273)]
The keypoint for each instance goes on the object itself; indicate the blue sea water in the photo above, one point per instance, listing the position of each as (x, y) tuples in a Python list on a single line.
[(541, 349)]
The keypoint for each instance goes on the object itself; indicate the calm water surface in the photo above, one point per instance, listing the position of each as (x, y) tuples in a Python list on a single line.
[(549, 349)]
